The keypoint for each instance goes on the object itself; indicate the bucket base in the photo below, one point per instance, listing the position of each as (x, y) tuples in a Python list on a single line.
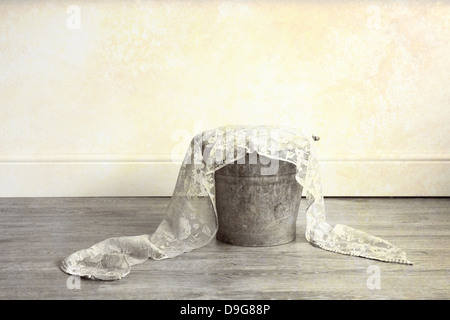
[(277, 232)]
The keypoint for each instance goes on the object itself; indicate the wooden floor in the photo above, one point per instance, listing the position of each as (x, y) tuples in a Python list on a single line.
[(36, 233)]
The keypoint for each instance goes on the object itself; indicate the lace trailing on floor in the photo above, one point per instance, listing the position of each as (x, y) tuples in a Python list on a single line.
[(191, 217)]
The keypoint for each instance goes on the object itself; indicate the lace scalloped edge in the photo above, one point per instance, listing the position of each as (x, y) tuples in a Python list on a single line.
[(400, 261), (63, 267)]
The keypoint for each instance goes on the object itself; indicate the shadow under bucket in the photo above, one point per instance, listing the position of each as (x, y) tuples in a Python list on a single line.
[(257, 209)]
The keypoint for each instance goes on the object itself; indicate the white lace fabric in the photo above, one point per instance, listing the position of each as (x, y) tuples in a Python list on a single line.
[(191, 217)]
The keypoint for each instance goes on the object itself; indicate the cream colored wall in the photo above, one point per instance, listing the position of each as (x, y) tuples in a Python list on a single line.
[(95, 96)]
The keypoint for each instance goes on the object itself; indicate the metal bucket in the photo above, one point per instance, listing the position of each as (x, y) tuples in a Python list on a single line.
[(257, 210)]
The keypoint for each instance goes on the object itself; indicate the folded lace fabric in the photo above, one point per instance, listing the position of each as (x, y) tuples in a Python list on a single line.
[(191, 217)]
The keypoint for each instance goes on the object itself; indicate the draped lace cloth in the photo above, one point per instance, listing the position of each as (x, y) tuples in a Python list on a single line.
[(191, 217)]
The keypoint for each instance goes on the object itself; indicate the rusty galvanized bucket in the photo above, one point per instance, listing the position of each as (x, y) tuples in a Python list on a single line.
[(255, 209)]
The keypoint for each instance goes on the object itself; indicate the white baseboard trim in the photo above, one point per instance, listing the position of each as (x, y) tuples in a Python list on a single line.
[(386, 178), (147, 178)]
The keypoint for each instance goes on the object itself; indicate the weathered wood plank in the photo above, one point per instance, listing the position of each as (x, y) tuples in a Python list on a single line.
[(36, 233)]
